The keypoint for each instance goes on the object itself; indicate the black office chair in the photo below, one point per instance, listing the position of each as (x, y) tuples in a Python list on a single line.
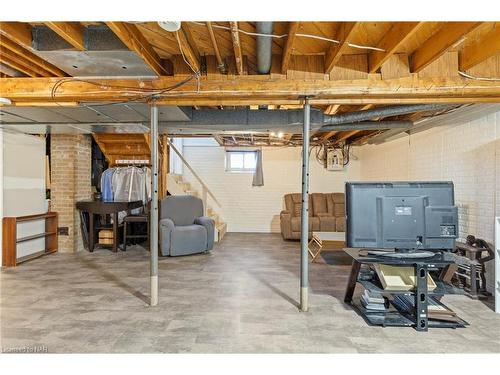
[(142, 217)]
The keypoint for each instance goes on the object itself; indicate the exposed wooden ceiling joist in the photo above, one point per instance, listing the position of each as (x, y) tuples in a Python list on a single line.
[(287, 51), (447, 37), (130, 35), (332, 109), (336, 51), (345, 135), (186, 50), (238, 56), (399, 33), (30, 56), (71, 32), (326, 136), (218, 56), (250, 89), (481, 50), (19, 32), (21, 61), (18, 66)]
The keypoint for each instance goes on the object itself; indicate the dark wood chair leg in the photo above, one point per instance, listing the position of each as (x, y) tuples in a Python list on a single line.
[(115, 233), (125, 236)]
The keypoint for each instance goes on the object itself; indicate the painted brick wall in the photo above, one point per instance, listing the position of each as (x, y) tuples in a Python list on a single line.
[(256, 209), (70, 177), (467, 153)]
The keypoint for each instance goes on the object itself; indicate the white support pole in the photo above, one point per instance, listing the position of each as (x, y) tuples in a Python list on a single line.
[(154, 207), (304, 230)]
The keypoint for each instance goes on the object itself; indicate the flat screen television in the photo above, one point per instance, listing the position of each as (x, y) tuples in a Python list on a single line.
[(405, 216)]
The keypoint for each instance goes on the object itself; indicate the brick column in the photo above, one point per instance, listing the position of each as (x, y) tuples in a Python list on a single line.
[(70, 182)]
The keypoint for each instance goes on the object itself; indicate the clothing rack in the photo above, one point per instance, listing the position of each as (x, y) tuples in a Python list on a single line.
[(132, 162)]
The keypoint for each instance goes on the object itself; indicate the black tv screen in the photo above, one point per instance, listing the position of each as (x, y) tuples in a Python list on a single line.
[(401, 215)]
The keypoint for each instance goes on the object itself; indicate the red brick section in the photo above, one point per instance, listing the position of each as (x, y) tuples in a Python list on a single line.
[(70, 182)]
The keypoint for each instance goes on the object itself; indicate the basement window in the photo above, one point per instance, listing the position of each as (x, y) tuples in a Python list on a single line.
[(241, 161)]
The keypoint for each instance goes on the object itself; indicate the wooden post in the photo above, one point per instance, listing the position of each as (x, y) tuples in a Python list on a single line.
[(165, 164)]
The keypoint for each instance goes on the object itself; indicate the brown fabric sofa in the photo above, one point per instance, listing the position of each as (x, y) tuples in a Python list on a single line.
[(326, 214)]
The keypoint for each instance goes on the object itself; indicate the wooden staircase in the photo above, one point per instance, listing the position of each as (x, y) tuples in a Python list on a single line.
[(176, 185), (131, 146)]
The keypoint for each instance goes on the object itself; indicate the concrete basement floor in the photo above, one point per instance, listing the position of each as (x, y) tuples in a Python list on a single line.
[(241, 298)]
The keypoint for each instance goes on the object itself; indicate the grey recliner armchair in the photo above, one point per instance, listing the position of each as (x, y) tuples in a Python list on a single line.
[(183, 228)]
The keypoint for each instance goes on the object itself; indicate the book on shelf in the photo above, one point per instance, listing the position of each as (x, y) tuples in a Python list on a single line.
[(373, 297), (373, 301)]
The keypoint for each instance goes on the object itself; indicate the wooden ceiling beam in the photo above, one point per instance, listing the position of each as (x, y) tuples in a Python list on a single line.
[(255, 88), (345, 135), (336, 51), (186, 50), (480, 50), (19, 32), (238, 56), (24, 62), (71, 32), (18, 66), (28, 55), (332, 109), (218, 56), (130, 35), (397, 35), (287, 51), (445, 38), (326, 136)]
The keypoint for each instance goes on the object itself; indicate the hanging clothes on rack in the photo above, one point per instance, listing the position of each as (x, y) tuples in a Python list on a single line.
[(132, 184), (107, 185)]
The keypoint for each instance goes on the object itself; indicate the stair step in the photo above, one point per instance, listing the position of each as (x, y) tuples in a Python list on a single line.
[(221, 231)]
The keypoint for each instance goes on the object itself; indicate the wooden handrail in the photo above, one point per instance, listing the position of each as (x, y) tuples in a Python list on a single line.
[(185, 162)]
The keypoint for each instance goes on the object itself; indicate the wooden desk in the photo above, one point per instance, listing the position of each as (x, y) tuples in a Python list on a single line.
[(105, 208), (322, 240)]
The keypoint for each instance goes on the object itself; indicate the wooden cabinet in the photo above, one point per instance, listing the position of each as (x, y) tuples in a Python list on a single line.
[(10, 240)]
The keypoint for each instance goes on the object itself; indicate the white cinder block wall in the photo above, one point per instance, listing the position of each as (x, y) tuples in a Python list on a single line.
[(256, 209), (467, 153)]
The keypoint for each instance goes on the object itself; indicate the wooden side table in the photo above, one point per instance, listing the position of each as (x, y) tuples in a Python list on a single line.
[(322, 240)]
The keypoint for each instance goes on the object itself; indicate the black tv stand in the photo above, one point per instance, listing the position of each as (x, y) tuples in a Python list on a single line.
[(419, 319)]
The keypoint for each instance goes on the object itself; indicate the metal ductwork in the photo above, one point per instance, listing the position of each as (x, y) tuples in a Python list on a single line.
[(264, 47), (368, 125), (381, 112)]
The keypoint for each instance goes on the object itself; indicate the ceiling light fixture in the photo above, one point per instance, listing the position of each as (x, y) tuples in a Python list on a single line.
[(170, 26)]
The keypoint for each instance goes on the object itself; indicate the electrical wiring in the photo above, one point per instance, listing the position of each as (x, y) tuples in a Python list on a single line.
[(469, 76), (144, 94), (311, 36)]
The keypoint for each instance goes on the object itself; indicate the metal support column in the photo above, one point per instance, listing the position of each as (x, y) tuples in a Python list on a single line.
[(304, 238), (153, 244)]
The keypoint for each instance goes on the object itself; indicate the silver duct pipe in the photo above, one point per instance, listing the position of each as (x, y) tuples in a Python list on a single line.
[(368, 125), (395, 110), (264, 47)]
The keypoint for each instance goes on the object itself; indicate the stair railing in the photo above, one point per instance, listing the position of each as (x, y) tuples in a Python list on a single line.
[(205, 191)]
